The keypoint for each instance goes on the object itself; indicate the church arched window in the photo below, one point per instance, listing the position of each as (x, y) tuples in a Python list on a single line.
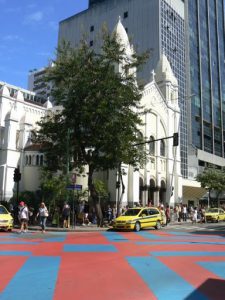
[(162, 148), (152, 146)]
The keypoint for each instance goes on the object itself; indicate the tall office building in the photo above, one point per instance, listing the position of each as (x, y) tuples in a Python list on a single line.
[(154, 25), (206, 80), (37, 83)]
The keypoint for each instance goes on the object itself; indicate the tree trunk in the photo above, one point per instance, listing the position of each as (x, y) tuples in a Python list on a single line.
[(95, 198)]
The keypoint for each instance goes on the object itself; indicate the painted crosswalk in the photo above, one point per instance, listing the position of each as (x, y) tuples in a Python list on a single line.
[(150, 264), (192, 227)]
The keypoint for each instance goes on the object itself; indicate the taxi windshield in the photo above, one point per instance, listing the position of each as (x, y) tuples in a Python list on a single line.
[(3, 211), (212, 210), (132, 212)]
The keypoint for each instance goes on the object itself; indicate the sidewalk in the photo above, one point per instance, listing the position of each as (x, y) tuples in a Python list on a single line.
[(85, 228), (77, 228)]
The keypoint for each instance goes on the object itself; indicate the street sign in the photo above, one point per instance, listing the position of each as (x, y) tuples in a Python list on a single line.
[(77, 187)]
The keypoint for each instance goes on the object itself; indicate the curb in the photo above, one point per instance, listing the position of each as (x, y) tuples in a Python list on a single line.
[(76, 229)]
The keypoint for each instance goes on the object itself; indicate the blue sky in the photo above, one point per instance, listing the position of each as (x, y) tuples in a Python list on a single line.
[(29, 33)]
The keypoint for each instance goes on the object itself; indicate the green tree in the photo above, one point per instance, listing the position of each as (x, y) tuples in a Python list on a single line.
[(101, 113), (53, 187), (213, 180)]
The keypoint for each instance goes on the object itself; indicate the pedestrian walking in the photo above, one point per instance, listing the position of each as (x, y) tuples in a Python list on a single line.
[(43, 214), (167, 212), (109, 214), (23, 217), (184, 213), (194, 215), (179, 213), (66, 215)]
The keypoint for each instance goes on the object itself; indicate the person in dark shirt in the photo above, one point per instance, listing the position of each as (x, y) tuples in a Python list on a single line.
[(66, 215)]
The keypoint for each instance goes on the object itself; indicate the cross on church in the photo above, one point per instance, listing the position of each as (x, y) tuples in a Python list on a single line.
[(153, 74)]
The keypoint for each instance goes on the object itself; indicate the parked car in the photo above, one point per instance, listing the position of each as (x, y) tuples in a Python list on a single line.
[(6, 219), (215, 215), (137, 218)]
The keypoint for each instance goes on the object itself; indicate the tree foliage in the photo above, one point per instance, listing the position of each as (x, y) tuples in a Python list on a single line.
[(212, 179), (100, 116)]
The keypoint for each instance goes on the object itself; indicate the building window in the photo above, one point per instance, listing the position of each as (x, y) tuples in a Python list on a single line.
[(17, 139), (152, 146), (91, 43), (37, 160), (162, 148), (92, 28), (125, 14), (41, 160)]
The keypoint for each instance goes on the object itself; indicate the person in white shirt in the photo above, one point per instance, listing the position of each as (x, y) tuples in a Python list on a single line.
[(23, 217), (195, 216), (43, 214), (184, 213)]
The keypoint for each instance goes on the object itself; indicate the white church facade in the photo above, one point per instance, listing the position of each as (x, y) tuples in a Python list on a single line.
[(160, 180), (20, 110)]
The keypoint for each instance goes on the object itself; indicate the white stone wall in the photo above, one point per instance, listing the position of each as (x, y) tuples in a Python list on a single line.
[(17, 118)]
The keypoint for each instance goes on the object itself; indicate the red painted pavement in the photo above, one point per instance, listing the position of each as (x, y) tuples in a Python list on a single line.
[(9, 266), (99, 275)]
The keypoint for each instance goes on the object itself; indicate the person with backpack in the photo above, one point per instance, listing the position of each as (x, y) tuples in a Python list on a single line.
[(23, 217)]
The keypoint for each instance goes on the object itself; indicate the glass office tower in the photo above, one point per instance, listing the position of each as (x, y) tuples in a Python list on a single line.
[(206, 78)]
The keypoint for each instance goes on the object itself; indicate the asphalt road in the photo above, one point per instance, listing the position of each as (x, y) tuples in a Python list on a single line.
[(179, 262)]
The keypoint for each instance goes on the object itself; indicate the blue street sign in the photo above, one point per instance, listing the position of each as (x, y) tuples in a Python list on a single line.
[(77, 187)]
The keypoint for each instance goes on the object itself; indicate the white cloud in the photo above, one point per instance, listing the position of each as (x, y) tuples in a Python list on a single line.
[(34, 17), (11, 37), (47, 54)]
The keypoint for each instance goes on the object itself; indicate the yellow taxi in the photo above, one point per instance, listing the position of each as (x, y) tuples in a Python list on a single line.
[(137, 218), (214, 215), (6, 219)]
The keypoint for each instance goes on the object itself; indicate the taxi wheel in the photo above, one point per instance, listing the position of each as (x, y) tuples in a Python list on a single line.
[(137, 226), (158, 225)]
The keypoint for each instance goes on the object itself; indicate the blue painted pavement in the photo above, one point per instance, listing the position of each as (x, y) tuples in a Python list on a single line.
[(36, 280), (90, 248), (165, 283), (114, 237), (216, 267)]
